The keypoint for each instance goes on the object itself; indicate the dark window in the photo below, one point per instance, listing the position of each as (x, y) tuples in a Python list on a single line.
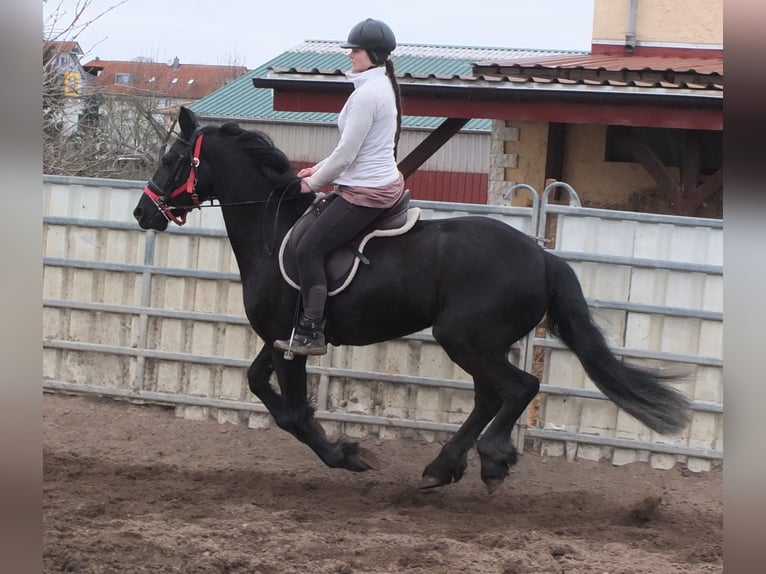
[(667, 144)]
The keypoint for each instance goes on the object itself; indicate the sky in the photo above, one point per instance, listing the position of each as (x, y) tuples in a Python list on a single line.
[(250, 32)]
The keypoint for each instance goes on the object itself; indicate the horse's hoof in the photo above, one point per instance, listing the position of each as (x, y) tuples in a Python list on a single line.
[(429, 482), (368, 459), (493, 484)]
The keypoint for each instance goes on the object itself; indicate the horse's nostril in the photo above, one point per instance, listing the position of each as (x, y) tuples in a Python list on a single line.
[(137, 212)]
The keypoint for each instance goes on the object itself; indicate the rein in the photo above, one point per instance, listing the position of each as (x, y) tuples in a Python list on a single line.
[(160, 197), (269, 246)]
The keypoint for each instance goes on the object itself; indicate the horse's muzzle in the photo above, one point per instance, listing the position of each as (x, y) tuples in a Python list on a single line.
[(150, 218)]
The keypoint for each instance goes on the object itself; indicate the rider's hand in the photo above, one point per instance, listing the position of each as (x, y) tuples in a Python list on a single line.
[(305, 187), (306, 172)]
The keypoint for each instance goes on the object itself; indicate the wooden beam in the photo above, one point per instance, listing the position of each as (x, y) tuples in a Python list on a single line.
[(654, 166), (690, 162), (431, 145), (692, 200), (687, 195), (554, 161), (554, 156), (598, 112)]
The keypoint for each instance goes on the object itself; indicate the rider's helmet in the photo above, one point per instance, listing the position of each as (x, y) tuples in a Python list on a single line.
[(374, 36)]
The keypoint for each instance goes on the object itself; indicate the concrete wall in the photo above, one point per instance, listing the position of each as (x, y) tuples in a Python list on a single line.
[(665, 22), (521, 155), (599, 182)]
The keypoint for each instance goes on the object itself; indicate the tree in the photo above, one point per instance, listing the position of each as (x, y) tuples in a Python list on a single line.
[(87, 132)]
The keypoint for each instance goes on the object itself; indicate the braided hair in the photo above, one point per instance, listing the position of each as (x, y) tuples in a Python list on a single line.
[(390, 72)]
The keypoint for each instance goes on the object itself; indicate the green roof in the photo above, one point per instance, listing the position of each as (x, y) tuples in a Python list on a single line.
[(239, 100)]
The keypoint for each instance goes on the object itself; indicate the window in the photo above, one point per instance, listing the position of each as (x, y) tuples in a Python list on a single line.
[(122, 79), (667, 144), (174, 81), (71, 83), (152, 79), (190, 82)]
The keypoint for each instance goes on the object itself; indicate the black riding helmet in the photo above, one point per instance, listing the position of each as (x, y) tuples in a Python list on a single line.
[(374, 36)]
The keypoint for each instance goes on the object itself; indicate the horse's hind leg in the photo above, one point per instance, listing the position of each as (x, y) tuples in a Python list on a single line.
[(496, 452), (451, 462), (503, 391)]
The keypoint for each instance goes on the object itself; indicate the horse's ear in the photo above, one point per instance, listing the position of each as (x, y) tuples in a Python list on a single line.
[(187, 121)]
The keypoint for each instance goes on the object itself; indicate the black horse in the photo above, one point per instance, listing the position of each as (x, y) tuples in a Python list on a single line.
[(479, 283)]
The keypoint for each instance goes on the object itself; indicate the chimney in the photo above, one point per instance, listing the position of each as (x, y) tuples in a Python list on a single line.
[(176, 63)]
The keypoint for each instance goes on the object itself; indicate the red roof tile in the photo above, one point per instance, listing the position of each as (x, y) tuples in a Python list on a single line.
[(664, 71), (61, 47), (616, 63), (183, 81)]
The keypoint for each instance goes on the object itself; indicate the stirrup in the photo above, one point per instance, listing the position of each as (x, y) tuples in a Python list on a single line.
[(305, 339)]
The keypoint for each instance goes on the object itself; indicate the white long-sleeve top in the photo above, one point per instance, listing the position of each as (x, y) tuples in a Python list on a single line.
[(364, 155)]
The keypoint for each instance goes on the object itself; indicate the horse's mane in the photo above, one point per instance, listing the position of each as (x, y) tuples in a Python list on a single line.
[(261, 150)]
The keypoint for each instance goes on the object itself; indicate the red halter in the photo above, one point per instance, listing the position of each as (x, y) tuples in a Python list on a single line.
[(188, 186)]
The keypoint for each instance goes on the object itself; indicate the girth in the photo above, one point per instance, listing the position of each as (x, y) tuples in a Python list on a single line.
[(342, 264)]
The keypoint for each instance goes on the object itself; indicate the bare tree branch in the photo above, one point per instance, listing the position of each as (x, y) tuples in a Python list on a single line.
[(86, 131)]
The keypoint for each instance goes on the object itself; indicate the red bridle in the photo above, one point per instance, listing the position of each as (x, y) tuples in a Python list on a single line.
[(189, 186)]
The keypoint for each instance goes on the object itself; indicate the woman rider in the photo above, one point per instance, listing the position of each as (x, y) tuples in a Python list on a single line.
[(362, 168)]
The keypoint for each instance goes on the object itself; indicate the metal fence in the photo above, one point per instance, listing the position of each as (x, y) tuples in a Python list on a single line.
[(158, 318)]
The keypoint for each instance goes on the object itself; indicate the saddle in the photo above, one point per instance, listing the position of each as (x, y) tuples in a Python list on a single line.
[(342, 264)]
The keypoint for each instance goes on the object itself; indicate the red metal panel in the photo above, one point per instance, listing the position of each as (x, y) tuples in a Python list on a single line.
[(285, 101), (449, 186), (572, 113), (440, 185)]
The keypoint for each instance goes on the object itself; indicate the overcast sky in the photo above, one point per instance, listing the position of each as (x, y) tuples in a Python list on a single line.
[(250, 32)]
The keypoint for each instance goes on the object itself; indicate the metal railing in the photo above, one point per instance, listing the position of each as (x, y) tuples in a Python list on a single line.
[(535, 221)]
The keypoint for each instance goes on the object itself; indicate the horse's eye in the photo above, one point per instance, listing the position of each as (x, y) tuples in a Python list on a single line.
[(166, 161)]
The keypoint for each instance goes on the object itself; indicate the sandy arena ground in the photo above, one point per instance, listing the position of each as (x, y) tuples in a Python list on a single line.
[(132, 488)]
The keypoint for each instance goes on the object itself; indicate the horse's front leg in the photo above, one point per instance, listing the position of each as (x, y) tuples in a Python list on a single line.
[(258, 376), (297, 417)]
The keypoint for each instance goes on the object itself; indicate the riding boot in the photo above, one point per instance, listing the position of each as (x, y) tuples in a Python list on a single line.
[(308, 339)]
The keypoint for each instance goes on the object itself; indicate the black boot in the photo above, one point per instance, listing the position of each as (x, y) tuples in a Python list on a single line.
[(308, 339)]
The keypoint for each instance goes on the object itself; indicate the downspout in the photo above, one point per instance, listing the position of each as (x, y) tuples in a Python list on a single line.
[(630, 35)]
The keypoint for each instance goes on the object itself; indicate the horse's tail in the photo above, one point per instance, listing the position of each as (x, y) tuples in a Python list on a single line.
[(639, 392)]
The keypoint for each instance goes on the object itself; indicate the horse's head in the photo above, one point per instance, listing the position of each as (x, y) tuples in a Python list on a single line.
[(171, 193)]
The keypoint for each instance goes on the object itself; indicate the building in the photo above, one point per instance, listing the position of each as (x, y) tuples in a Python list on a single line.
[(170, 85), (64, 82), (636, 122), (138, 101), (459, 171)]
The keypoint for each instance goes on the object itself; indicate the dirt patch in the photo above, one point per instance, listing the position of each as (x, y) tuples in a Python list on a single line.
[(132, 488)]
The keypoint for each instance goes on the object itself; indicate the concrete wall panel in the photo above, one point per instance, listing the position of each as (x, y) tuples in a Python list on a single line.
[(137, 324)]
